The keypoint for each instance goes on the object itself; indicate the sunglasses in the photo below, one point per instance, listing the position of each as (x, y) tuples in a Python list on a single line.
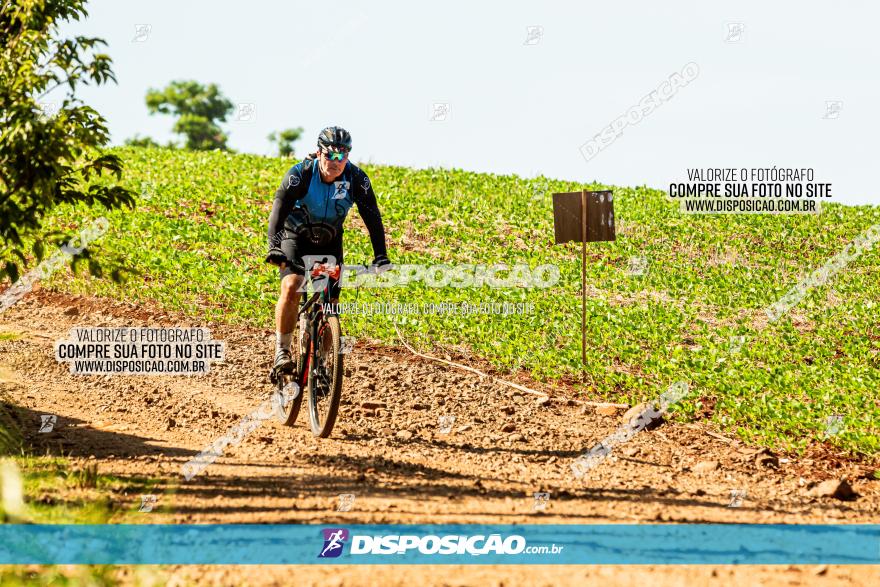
[(335, 156)]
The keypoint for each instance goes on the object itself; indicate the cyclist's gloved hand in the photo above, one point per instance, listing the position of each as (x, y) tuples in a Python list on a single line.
[(276, 257), (381, 264)]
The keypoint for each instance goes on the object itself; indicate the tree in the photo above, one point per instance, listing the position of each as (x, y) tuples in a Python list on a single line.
[(49, 151), (139, 141), (285, 140), (198, 109)]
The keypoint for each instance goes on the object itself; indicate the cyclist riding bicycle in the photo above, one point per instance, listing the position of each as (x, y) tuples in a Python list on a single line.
[(306, 220)]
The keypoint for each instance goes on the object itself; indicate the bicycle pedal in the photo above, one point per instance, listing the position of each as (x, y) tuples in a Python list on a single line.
[(275, 372)]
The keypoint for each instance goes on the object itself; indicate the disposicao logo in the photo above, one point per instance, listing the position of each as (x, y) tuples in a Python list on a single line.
[(334, 540)]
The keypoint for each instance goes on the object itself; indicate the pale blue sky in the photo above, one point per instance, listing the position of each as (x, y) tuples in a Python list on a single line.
[(377, 68)]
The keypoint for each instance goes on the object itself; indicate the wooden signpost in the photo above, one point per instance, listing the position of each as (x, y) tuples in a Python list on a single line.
[(583, 217)]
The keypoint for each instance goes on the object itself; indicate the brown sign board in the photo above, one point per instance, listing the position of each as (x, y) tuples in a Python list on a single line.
[(568, 217)]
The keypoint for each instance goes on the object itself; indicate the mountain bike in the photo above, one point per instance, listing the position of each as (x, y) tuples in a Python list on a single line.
[(318, 360)]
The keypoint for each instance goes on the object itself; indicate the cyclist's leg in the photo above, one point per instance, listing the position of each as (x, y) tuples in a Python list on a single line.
[(287, 307), (288, 301)]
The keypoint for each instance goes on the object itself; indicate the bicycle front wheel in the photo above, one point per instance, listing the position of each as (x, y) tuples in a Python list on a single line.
[(286, 409), (325, 377)]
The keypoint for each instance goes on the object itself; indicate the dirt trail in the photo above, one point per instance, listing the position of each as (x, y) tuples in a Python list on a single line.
[(387, 450)]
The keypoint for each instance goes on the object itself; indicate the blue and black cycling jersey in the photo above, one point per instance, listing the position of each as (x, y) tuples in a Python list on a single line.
[(309, 208)]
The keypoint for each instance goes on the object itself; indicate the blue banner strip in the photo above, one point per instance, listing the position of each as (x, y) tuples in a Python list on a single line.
[(441, 544)]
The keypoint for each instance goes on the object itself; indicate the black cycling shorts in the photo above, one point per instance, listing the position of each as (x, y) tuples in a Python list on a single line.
[(296, 248)]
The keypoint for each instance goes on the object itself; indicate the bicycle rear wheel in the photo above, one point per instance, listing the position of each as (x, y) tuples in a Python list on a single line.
[(325, 377)]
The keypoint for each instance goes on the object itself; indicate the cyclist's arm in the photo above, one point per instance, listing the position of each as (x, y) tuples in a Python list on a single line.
[(285, 198), (369, 211)]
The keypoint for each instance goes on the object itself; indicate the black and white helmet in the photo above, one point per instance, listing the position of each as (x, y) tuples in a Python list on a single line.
[(334, 138)]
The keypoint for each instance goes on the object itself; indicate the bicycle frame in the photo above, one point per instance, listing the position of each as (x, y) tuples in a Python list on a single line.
[(312, 309), (319, 363)]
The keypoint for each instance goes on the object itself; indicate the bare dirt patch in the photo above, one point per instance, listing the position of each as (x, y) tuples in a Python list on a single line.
[(389, 450)]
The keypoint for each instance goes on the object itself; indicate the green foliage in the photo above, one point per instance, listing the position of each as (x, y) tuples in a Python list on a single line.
[(79, 575), (709, 278), (60, 491), (198, 109), (83, 476), (48, 145), (139, 141), (285, 140)]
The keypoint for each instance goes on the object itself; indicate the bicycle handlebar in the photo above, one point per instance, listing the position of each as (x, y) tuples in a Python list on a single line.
[(334, 271)]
